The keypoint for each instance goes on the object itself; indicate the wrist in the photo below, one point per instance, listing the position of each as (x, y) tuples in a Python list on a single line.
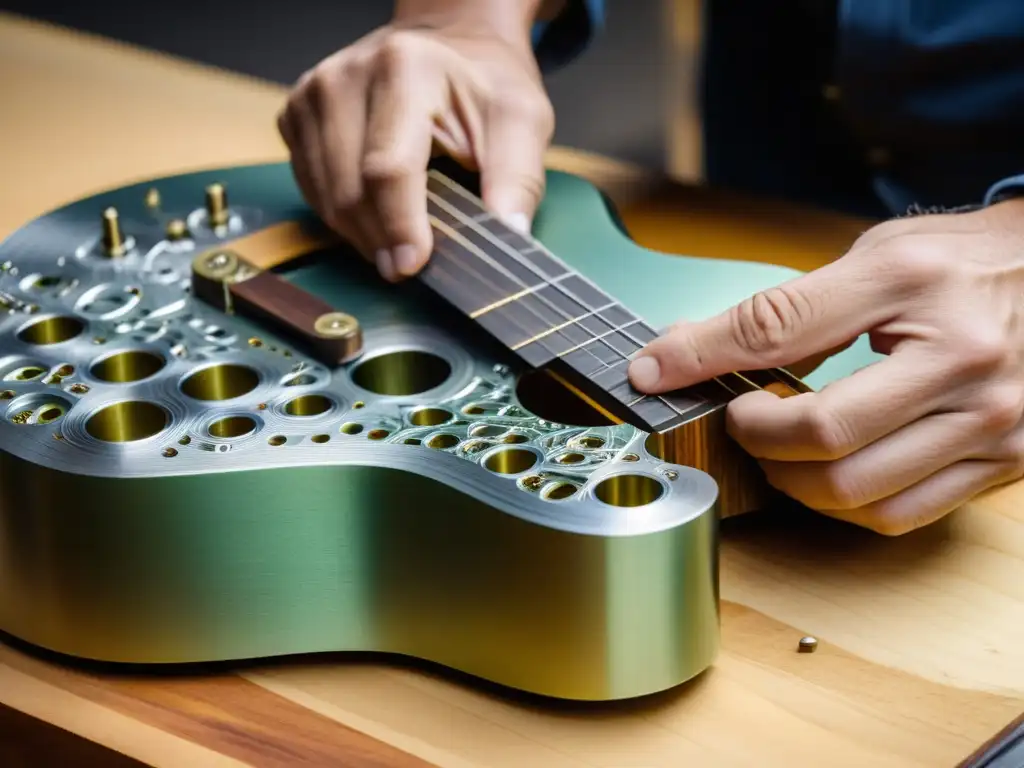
[(508, 20)]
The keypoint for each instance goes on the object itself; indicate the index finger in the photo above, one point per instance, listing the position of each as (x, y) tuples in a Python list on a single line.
[(398, 145), (785, 324)]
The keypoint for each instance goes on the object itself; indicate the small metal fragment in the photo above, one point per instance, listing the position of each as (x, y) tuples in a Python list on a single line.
[(807, 644)]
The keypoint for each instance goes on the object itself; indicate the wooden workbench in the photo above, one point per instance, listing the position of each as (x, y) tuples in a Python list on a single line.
[(921, 655)]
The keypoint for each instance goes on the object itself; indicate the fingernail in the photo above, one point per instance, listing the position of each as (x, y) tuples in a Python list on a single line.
[(405, 260), (385, 264), (644, 372), (518, 221)]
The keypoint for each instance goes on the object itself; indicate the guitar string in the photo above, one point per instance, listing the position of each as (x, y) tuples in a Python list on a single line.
[(473, 223)]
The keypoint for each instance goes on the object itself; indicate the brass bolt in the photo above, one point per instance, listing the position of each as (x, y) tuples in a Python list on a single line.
[(176, 230), (217, 205), (807, 645), (153, 198), (113, 239), (336, 325)]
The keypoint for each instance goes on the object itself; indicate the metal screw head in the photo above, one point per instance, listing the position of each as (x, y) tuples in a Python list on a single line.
[(176, 229), (336, 325), (807, 644), (153, 198)]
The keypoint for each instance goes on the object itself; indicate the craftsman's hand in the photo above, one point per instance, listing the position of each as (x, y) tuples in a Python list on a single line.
[(906, 440), (363, 124)]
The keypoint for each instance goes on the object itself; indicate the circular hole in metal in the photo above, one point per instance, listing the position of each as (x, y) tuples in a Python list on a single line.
[(408, 372), (511, 461), (429, 417), (547, 398), (487, 430), (7, 394), (443, 442), (320, 438), (220, 382), (124, 367), (515, 437), (629, 490), (570, 458), (351, 428), (38, 409), (127, 421), (51, 330), (412, 441), (377, 434), (170, 453), (631, 457), (475, 446), (278, 440), (25, 373), (358, 404), (232, 426), (591, 441), (308, 405), (560, 491)]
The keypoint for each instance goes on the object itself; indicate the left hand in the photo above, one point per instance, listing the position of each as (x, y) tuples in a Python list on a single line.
[(901, 442)]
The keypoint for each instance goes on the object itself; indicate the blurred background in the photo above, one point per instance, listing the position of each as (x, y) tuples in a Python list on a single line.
[(278, 40)]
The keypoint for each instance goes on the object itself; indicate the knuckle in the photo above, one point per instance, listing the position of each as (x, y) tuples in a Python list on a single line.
[(913, 263), (980, 350), (398, 50), (764, 322), (843, 490), (1002, 409), (384, 166), (829, 433)]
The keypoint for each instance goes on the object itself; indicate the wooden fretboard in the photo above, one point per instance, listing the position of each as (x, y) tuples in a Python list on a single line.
[(545, 311)]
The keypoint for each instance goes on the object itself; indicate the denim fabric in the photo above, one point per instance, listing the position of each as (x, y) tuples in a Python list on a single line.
[(869, 106)]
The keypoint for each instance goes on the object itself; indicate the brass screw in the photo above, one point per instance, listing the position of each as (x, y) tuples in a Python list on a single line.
[(177, 229), (79, 389), (807, 645), (335, 325), (217, 205), (153, 198), (170, 453), (113, 239)]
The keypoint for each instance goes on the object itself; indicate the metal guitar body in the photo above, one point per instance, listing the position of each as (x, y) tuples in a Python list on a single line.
[(178, 484)]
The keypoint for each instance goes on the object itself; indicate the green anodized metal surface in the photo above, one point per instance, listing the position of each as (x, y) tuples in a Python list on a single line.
[(411, 502)]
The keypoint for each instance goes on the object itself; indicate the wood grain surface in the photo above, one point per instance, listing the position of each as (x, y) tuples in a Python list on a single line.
[(921, 655)]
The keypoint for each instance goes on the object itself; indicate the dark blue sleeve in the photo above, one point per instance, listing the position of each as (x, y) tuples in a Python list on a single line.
[(562, 39), (1011, 186)]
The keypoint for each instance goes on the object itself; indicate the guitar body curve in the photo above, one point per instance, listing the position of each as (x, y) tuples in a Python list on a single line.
[(178, 484)]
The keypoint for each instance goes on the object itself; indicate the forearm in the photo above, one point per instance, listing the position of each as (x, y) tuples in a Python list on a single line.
[(511, 20)]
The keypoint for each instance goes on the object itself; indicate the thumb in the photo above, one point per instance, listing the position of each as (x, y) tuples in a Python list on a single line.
[(512, 177), (812, 314)]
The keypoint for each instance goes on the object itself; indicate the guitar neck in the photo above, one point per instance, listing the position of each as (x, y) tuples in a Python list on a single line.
[(549, 314)]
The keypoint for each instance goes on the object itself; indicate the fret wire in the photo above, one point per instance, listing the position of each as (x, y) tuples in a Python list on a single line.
[(619, 328), (559, 327), (515, 297)]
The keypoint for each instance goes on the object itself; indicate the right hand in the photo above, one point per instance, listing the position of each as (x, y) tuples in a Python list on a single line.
[(363, 124)]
